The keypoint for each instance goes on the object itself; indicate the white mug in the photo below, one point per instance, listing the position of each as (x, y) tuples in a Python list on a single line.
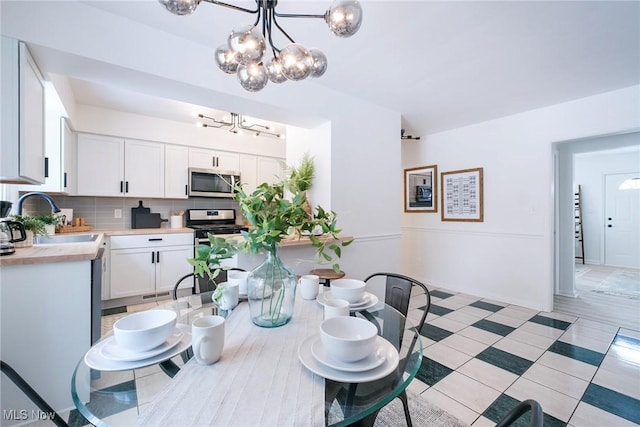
[(239, 277), (309, 286), (228, 296), (207, 339), (334, 307)]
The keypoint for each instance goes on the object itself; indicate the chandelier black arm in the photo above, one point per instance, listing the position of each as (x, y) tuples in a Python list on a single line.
[(281, 30), (232, 6), (297, 15), (269, 20)]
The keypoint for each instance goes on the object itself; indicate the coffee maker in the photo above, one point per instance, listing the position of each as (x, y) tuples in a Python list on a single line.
[(10, 231)]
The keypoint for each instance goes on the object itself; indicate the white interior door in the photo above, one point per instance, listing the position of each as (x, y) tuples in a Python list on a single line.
[(622, 220)]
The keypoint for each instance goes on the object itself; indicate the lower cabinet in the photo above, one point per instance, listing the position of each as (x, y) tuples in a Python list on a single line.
[(148, 264)]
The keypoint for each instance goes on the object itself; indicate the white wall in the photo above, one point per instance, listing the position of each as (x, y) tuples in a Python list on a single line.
[(360, 163), (509, 256), (589, 171)]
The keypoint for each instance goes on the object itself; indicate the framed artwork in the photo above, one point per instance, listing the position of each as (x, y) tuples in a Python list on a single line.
[(462, 195), (420, 189)]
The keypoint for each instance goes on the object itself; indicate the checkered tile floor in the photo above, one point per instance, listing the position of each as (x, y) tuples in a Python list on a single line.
[(481, 357)]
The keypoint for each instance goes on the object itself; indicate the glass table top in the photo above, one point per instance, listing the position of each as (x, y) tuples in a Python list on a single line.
[(100, 394)]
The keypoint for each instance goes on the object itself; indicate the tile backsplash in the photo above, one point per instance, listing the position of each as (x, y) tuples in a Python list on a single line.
[(99, 212)]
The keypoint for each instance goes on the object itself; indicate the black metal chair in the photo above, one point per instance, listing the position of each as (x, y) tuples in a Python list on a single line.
[(537, 416), (398, 290), (32, 394), (205, 284)]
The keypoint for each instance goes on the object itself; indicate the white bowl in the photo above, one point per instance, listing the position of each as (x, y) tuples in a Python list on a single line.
[(144, 330), (350, 289), (348, 339)]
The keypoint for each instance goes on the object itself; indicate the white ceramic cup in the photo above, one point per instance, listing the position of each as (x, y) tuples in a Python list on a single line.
[(309, 284), (230, 296), (334, 307), (239, 278), (207, 339), (175, 221)]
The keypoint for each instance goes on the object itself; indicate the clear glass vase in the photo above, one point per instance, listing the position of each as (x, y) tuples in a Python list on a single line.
[(271, 290)]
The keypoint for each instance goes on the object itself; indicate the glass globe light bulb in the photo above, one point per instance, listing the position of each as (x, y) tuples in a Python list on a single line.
[(296, 62), (248, 44), (344, 17), (274, 71), (252, 77), (319, 62), (180, 7), (226, 60)]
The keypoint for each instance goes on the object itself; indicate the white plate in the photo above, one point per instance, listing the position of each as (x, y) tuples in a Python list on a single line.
[(388, 366), (369, 300), (112, 351), (95, 360), (372, 361)]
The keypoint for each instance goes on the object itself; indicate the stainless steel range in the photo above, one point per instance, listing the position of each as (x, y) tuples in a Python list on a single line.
[(214, 221)]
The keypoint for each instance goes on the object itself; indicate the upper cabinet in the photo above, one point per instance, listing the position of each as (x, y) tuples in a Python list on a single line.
[(109, 166), (176, 171), (23, 112), (254, 170), (211, 159)]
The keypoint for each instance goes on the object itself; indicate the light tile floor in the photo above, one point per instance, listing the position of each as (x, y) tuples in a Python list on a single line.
[(481, 357)]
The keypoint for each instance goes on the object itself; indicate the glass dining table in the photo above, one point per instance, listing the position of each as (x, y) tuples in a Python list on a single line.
[(101, 389)]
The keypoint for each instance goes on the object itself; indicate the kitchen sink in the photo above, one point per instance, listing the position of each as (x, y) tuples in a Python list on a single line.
[(64, 238)]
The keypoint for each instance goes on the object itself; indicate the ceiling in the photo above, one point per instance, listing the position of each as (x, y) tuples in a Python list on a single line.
[(442, 65)]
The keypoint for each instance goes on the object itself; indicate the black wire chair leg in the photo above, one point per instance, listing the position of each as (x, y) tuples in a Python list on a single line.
[(32, 394), (405, 405)]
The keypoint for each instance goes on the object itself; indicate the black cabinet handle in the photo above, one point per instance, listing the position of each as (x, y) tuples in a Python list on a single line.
[(64, 177), (609, 225), (46, 167), (126, 187), (122, 186), (186, 189), (155, 239), (158, 257), (153, 258)]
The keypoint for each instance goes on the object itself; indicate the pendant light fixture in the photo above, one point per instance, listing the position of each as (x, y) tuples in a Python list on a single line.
[(244, 54), (237, 124)]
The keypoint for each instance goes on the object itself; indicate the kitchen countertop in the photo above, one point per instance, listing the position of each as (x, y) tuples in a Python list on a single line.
[(63, 252), (86, 251), (83, 251)]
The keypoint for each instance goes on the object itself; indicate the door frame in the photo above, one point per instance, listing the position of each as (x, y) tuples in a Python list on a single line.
[(563, 257)]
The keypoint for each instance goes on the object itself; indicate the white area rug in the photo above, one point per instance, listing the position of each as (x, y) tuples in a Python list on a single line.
[(422, 412), (624, 284)]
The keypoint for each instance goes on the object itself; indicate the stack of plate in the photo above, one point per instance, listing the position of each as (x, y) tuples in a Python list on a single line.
[(368, 301), (107, 355), (380, 363)]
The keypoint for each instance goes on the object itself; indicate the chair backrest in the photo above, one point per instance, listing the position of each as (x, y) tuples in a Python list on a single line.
[(398, 293), (514, 415), (205, 284)]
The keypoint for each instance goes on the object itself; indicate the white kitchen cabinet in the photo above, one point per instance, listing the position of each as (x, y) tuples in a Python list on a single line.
[(109, 166), (254, 170), (69, 145), (23, 113), (176, 171), (269, 170), (212, 159), (148, 264)]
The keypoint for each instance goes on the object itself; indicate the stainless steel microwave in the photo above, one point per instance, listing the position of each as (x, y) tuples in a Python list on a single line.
[(212, 182)]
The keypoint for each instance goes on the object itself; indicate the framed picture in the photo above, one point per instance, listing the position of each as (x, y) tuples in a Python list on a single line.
[(420, 189), (462, 195)]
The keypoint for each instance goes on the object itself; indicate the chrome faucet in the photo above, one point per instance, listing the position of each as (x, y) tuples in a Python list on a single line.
[(45, 196)]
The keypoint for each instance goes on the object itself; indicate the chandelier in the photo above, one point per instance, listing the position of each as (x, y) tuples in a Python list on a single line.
[(237, 124), (244, 52)]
